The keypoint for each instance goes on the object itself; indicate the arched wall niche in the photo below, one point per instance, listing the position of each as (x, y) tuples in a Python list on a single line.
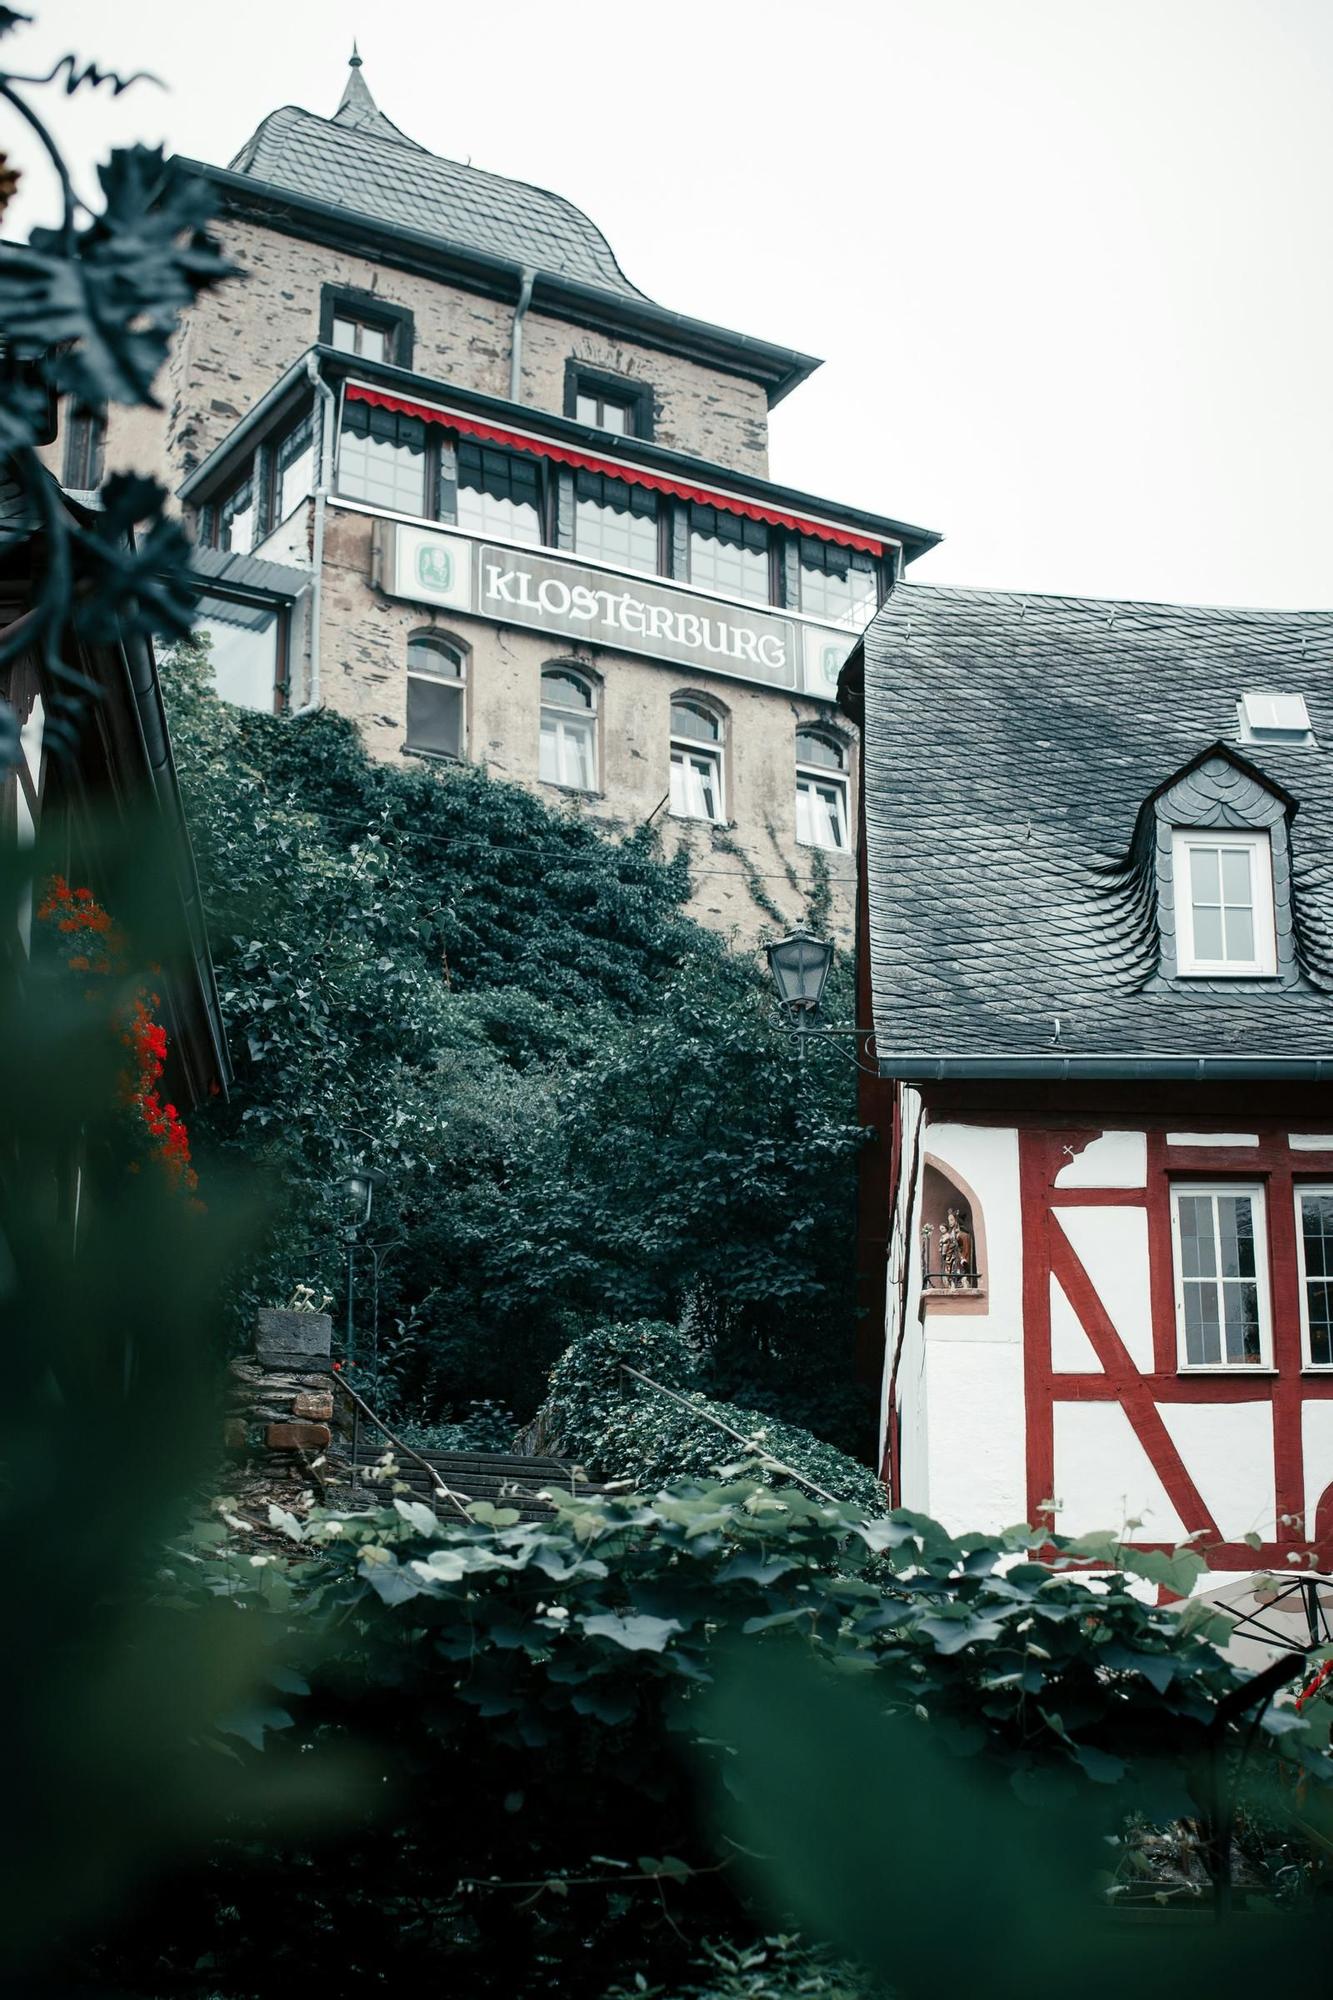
[(942, 1189)]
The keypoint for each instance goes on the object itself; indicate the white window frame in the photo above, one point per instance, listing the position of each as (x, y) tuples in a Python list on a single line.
[(1259, 847), (442, 648), (563, 723), (1307, 1353), (700, 750), (834, 778), (1262, 1283)]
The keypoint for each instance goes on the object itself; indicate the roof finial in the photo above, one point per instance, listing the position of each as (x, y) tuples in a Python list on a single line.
[(354, 60)]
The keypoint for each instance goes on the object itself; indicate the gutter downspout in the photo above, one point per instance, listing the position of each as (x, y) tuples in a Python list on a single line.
[(317, 543), (529, 278)]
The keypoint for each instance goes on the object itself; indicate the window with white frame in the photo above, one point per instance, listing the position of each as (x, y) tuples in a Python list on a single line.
[(436, 697), (568, 730), (1221, 1272), (696, 761), (1224, 903), (382, 458), (821, 790), (1314, 1234), (615, 521)]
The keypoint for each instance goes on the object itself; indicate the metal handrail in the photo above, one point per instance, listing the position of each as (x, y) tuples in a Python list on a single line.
[(362, 1407), (730, 1429), (459, 1500)]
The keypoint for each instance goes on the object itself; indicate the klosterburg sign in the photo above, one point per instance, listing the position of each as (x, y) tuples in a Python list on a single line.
[(626, 614)]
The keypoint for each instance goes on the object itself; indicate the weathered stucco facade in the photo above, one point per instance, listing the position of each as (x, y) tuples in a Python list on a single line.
[(750, 874)]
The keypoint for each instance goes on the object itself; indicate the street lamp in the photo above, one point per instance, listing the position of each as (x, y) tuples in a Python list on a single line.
[(357, 1189), (800, 966)]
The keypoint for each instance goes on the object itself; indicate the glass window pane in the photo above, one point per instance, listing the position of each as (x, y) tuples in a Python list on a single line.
[(812, 748), (1205, 885), (1320, 1299), (1236, 875), (695, 787), (1198, 1254), (1208, 933), (837, 584), (382, 458), (237, 520), (296, 468), (344, 336), (1235, 1213), (568, 750), (425, 656), (499, 493), (1240, 935), (615, 418), (374, 343), (696, 722), (565, 691), (729, 553), (1317, 1234), (1203, 1335), (615, 522), (1241, 1305), (576, 754), (834, 829), (435, 716), (585, 408)]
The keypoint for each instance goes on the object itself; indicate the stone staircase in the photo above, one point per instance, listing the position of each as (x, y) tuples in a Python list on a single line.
[(505, 1479)]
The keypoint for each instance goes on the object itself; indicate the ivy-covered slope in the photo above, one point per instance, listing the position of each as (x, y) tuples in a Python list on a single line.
[(578, 1101)]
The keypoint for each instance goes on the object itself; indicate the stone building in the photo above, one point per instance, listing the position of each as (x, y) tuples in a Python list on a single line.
[(452, 474)]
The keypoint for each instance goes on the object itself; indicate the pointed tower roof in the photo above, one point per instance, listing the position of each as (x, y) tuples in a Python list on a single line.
[(358, 109)]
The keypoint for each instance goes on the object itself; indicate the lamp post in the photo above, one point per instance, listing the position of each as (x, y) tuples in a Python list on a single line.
[(800, 964), (358, 1191)]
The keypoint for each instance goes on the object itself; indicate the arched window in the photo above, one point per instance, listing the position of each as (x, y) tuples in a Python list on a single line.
[(436, 696), (569, 729), (821, 789), (697, 737)]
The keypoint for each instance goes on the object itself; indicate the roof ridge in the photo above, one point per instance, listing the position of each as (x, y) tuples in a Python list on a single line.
[(986, 594)]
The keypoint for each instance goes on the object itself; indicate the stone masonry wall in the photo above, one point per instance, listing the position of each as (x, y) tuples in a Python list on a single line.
[(751, 877), (235, 343)]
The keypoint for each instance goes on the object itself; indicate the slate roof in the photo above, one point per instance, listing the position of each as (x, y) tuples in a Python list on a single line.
[(1012, 746), (360, 162)]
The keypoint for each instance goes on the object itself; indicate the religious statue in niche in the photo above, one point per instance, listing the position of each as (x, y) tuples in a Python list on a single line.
[(957, 1265)]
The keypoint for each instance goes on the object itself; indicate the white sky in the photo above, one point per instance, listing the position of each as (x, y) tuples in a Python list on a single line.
[(1068, 261)]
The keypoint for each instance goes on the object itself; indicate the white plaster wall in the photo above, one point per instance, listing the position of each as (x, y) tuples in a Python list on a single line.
[(961, 1375), (1112, 1246), (1071, 1350), (1228, 1452), (976, 1445), (1113, 1159), (1103, 1477), (1317, 1437)]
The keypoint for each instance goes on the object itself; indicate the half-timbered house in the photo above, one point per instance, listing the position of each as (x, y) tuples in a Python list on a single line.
[(1096, 944)]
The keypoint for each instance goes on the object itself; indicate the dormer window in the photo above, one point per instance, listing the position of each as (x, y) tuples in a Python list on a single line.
[(1219, 834), (1224, 901)]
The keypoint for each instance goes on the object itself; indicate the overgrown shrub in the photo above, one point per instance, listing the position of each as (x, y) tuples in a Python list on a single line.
[(621, 1428), (579, 1102), (520, 1728)]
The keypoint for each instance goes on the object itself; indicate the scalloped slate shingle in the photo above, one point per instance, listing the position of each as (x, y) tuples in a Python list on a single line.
[(1010, 743), (360, 162)]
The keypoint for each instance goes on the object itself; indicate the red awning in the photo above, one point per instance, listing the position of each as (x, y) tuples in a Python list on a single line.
[(636, 476)]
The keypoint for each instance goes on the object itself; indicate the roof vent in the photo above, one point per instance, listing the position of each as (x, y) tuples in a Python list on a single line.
[(1265, 717)]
